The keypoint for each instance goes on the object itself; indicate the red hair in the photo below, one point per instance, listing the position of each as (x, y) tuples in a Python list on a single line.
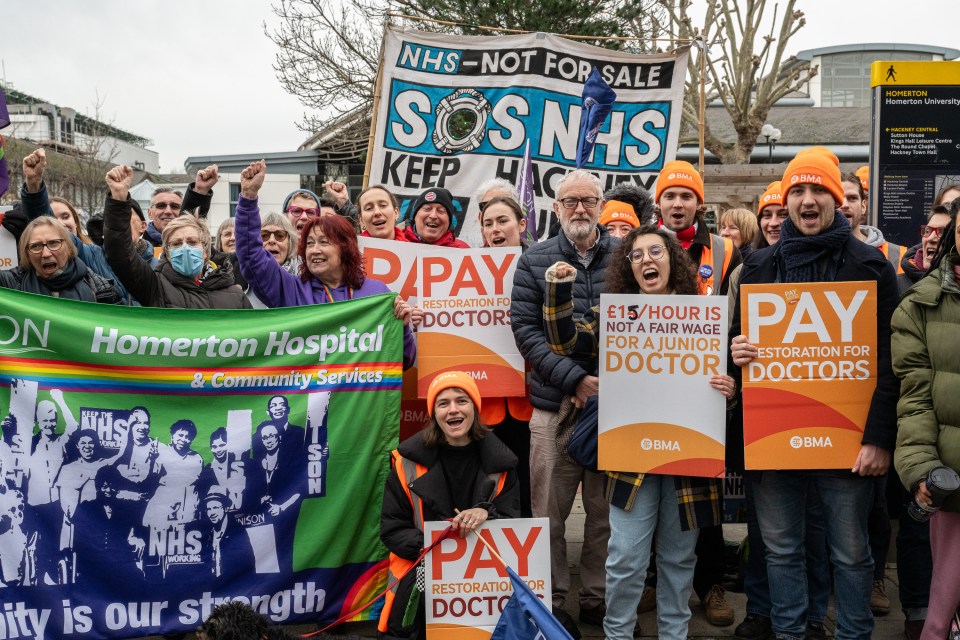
[(341, 233)]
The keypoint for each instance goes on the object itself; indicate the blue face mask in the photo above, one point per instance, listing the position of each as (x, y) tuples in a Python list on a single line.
[(187, 260)]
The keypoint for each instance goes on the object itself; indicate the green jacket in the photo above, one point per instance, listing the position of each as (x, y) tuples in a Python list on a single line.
[(926, 357)]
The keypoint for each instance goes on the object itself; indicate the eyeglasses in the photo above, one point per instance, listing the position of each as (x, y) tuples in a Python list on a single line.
[(571, 203), (655, 252), (166, 205), (927, 229), (279, 234), (296, 212), (38, 247)]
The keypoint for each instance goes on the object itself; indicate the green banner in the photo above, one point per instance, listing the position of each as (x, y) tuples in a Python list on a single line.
[(157, 461)]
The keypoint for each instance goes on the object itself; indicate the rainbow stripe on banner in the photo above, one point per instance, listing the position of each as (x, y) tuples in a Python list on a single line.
[(77, 376)]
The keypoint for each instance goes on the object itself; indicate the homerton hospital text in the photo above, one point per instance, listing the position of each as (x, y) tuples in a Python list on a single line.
[(111, 341)]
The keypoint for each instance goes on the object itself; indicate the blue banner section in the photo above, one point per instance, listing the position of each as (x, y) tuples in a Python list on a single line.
[(440, 121)]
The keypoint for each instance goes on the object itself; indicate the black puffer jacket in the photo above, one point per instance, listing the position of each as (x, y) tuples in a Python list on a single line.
[(164, 287), (397, 530), (553, 376)]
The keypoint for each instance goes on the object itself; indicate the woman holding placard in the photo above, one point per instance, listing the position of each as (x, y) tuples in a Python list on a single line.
[(648, 261), (454, 469)]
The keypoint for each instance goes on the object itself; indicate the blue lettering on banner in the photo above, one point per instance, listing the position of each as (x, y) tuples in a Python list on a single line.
[(429, 59), (633, 138)]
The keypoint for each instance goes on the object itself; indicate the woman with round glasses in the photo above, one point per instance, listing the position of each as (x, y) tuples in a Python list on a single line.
[(331, 265), (647, 261), (49, 266)]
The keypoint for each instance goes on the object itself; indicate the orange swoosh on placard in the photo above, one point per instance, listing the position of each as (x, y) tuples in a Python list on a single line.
[(447, 631), (440, 352), (776, 452), (708, 467), (771, 411), (622, 449)]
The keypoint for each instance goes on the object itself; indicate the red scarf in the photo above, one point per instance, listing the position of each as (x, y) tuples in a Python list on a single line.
[(686, 236), (447, 240), (397, 235)]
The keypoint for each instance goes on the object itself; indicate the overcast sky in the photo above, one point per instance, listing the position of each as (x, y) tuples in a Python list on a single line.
[(196, 77)]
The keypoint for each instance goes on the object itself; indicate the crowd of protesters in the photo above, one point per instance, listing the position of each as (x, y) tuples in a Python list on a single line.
[(810, 533)]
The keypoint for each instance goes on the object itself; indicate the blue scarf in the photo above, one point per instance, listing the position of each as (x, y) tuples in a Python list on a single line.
[(802, 255)]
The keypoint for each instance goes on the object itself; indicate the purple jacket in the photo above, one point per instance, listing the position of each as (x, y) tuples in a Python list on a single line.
[(278, 288)]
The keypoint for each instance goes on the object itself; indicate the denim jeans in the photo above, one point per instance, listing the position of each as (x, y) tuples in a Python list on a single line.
[(628, 554), (755, 584), (781, 499)]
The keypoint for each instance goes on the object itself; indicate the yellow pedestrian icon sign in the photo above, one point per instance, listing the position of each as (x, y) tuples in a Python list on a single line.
[(891, 74)]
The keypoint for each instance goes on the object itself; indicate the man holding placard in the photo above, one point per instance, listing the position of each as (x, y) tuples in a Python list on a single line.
[(815, 322)]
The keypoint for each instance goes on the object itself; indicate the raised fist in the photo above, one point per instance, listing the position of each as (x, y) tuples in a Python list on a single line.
[(119, 180), (338, 192), (206, 178), (251, 179), (33, 167)]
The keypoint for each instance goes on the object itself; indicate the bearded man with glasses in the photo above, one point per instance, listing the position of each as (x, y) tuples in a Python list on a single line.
[(553, 377)]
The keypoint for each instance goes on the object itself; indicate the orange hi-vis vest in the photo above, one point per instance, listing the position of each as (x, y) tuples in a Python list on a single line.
[(493, 411), (407, 472), (893, 253), (714, 259)]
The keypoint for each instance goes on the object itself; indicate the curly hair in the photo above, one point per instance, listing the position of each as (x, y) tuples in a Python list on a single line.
[(635, 196), (683, 273), (342, 234)]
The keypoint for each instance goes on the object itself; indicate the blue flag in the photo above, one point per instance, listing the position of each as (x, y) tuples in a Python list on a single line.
[(598, 99), (4, 121), (525, 191), (526, 618)]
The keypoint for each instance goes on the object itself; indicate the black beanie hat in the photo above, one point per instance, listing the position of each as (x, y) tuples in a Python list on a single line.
[(436, 195), (136, 209)]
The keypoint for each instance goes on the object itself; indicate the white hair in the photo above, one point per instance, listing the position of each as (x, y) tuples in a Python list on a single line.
[(495, 184), (580, 174)]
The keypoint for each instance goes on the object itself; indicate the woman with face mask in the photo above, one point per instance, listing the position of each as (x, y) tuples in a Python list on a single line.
[(185, 277)]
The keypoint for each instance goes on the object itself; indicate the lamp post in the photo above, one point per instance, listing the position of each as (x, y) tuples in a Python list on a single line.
[(772, 135)]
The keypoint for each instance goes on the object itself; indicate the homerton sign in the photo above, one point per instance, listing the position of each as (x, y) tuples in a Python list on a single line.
[(158, 462), (456, 111)]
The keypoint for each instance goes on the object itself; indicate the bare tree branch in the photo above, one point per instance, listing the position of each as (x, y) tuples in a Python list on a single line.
[(744, 68)]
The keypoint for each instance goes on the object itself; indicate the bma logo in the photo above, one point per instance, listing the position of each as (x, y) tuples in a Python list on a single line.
[(808, 442), (659, 445)]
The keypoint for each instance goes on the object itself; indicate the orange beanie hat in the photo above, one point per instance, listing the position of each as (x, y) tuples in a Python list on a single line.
[(679, 173), (617, 211), (812, 167), (452, 380), (864, 174), (771, 196), (822, 150)]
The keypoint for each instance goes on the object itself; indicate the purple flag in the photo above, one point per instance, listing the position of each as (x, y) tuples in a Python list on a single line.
[(4, 121), (525, 191), (598, 99)]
